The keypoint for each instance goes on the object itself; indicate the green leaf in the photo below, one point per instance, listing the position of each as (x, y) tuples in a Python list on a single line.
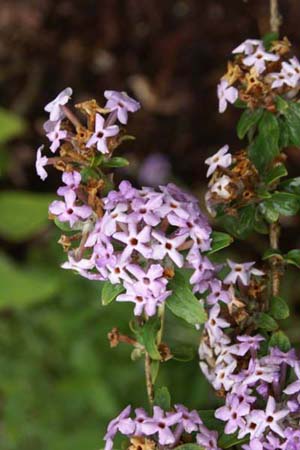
[(115, 162), (248, 119), (87, 173), (219, 241), (22, 287), (266, 322), (269, 38), (284, 134), (279, 339), (291, 185), (241, 225), (110, 291), (293, 257), (279, 308), (292, 116), (230, 440), (183, 353), (162, 398), (183, 303), (270, 253), (281, 104), (268, 211), (23, 214), (189, 447), (275, 174), (148, 333), (11, 125), (209, 420), (284, 203), (265, 147), (63, 226)]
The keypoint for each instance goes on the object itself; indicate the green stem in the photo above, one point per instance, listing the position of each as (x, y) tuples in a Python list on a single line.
[(149, 383)]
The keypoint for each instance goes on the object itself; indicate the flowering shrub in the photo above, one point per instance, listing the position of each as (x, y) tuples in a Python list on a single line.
[(155, 247)]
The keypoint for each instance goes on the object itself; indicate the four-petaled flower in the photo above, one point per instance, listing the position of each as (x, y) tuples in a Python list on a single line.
[(121, 103), (54, 107), (40, 163), (219, 159), (101, 134)]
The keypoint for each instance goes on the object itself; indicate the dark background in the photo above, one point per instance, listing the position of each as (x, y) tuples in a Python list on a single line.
[(59, 381)]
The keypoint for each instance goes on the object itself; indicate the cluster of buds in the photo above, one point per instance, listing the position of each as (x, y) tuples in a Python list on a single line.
[(233, 181), (167, 429), (258, 74)]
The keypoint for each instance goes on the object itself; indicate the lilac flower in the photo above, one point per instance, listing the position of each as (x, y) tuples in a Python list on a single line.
[(219, 159), (71, 180), (67, 211), (135, 240), (233, 413), (55, 134), (126, 192), (122, 104), (121, 423), (117, 271), (152, 279), (101, 134), (272, 417), (254, 425), (154, 170), (248, 46), (207, 438), (140, 417), (54, 107), (215, 323), (147, 211), (161, 423), (143, 299), (255, 444), (111, 219), (217, 293), (258, 60), (40, 163), (226, 94), (168, 246), (241, 272), (247, 343), (223, 378), (189, 419)]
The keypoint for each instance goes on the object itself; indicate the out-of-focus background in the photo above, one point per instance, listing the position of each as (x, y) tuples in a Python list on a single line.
[(59, 381)]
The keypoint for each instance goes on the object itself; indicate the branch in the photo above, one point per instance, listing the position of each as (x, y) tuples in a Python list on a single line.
[(149, 384), (275, 268), (275, 17)]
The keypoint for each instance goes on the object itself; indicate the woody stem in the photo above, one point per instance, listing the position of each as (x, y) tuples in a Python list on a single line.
[(274, 262), (149, 383), (275, 18)]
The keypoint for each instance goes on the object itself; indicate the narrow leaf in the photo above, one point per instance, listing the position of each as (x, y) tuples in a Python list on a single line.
[(248, 119), (148, 333), (275, 174), (293, 257)]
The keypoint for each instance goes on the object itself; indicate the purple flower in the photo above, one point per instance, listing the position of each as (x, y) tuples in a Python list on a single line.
[(272, 417), (140, 417), (248, 46), (215, 323), (226, 94), (135, 240), (71, 180), (40, 163), (233, 413), (168, 246), (155, 170), (207, 438), (67, 211), (54, 107), (101, 134), (146, 210), (219, 159), (255, 444), (55, 134), (161, 423), (121, 423), (122, 104), (152, 279), (247, 343), (190, 420), (217, 293), (241, 272), (258, 60)]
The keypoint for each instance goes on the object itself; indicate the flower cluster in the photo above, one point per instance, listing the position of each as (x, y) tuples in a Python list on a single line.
[(142, 235), (257, 74), (162, 428), (259, 402)]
